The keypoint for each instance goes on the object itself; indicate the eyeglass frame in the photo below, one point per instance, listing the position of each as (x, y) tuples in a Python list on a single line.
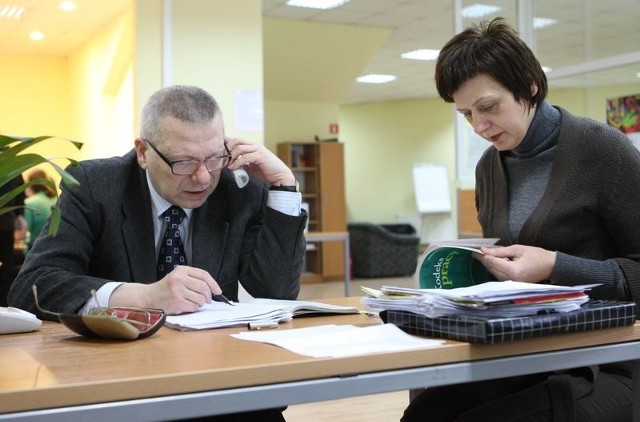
[(170, 163), (154, 317)]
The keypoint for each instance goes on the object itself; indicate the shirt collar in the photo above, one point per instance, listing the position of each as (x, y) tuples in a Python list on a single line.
[(159, 204)]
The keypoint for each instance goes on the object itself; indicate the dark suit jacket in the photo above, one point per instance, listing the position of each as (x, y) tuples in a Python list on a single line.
[(106, 234)]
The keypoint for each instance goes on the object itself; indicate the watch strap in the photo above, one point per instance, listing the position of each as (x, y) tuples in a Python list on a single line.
[(285, 188)]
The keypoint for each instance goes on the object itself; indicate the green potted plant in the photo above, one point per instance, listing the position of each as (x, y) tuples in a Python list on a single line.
[(14, 161)]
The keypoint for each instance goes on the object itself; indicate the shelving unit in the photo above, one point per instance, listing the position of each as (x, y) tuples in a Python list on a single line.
[(319, 168)]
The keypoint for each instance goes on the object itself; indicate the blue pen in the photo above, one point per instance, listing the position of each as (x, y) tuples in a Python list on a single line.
[(222, 298)]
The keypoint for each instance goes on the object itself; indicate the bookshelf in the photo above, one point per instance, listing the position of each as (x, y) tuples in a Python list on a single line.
[(319, 168)]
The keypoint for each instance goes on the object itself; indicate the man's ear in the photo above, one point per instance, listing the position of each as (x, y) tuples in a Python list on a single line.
[(141, 148), (534, 89)]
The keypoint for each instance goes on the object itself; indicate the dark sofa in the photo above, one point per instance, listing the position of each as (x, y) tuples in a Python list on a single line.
[(383, 250)]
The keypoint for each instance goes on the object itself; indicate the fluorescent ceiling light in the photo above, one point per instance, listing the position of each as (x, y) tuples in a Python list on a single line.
[(539, 23), (11, 12), (422, 54), (68, 6), (317, 4), (546, 69), (36, 35), (375, 79), (479, 10)]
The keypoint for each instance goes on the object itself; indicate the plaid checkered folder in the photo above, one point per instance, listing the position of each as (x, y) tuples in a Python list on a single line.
[(593, 315)]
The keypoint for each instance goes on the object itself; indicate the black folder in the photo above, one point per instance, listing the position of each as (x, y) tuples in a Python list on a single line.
[(593, 315)]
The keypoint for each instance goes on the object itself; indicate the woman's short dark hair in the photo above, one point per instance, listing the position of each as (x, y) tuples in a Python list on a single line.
[(494, 49)]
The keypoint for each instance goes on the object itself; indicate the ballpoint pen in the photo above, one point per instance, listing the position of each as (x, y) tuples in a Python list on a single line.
[(222, 298)]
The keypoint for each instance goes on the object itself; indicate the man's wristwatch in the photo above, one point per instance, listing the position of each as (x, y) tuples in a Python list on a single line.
[(295, 188)]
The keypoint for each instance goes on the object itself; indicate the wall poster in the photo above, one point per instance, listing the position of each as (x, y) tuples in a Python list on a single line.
[(624, 113)]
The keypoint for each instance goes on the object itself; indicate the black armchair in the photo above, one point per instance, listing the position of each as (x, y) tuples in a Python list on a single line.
[(383, 250)]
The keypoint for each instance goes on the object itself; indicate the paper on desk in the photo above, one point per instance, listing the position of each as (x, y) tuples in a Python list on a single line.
[(491, 289), (340, 340), (218, 314), (508, 289), (495, 298)]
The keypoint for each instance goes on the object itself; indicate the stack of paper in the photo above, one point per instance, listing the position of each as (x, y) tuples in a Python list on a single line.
[(219, 315), (495, 298)]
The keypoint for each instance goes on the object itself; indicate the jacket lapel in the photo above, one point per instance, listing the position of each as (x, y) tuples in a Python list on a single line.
[(209, 234), (137, 229)]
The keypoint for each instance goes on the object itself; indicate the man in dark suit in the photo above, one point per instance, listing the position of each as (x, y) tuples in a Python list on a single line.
[(112, 225)]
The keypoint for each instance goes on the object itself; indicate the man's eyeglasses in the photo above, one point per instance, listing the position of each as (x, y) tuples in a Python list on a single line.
[(109, 322), (188, 167)]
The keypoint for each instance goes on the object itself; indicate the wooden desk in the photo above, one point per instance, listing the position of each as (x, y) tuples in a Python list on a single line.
[(55, 375)]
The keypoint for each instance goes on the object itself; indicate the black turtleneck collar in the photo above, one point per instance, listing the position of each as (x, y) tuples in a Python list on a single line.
[(542, 133)]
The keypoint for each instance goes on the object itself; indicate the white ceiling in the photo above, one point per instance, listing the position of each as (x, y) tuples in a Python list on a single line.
[(587, 30)]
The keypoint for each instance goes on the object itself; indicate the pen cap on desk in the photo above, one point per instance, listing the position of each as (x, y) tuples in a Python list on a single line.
[(450, 268)]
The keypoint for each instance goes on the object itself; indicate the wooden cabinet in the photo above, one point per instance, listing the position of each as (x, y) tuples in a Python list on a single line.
[(468, 225), (319, 168)]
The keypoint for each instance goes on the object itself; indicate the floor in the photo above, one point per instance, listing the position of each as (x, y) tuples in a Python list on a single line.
[(374, 408), (386, 407)]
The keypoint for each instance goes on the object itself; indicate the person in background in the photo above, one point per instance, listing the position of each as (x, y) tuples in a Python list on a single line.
[(562, 194), (40, 199), (10, 224), (112, 230)]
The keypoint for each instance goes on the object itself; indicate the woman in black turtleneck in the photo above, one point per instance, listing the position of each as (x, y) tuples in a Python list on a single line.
[(563, 195)]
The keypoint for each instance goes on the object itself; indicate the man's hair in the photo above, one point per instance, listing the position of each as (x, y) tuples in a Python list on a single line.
[(493, 49), (186, 103)]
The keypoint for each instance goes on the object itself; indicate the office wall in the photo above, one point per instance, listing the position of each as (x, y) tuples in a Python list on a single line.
[(35, 102), (382, 142), (309, 68), (101, 90), (214, 44), (298, 121), (34, 98)]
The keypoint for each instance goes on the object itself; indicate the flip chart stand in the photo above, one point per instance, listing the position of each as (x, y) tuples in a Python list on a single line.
[(431, 184)]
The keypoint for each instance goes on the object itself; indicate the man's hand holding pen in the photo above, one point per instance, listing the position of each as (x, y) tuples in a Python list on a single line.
[(222, 298), (185, 289)]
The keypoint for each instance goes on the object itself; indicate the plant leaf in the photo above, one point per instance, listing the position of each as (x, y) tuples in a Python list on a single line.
[(13, 162)]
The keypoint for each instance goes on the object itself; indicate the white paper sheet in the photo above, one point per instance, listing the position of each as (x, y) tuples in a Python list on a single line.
[(340, 340)]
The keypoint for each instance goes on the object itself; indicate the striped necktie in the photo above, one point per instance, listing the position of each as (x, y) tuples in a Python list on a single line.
[(171, 249)]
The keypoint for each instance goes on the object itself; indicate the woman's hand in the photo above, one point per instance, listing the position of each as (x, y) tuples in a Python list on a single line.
[(518, 262)]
